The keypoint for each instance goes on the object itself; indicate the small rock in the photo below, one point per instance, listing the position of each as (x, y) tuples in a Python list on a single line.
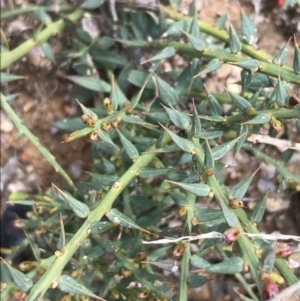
[(6, 125), (264, 185), (75, 170)]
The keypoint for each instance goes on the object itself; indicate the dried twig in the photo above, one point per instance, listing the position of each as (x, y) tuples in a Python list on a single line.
[(282, 145)]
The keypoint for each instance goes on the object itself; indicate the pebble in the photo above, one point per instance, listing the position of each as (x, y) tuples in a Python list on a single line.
[(76, 171), (6, 126)]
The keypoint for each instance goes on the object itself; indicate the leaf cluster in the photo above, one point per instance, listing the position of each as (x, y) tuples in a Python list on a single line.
[(158, 139)]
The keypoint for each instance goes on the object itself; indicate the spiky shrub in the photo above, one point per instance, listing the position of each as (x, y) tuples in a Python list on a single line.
[(157, 148)]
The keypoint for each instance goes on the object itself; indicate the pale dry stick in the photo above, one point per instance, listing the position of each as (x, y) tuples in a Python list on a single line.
[(215, 234), (282, 145), (273, 236)]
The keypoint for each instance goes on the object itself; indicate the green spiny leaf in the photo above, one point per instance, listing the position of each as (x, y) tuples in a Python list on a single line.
[(279, 94), (5, 77), (234, 41), (214, 106), (209, 160), (242, 132), (198, 43), (105, 180), (246, 77), (130, 149), (221, 150), (138, 78), (268, 259), (210, 216), (213, 65), (62, 238), (198, 262), (184, 144), (78, 134), (259, 119), (117, 217), (88, 111), (180, 119), (197, 280), (79, 208), (164, 54), (230, 265), (281, 57), (166, 92), (249, 32), (106, 138), (196, 124), (100, 227), (22, 281), (48, 52), (296, 62), (153, 172), (239, 190), (249, 64), (176, 28), (194, 188), (259, 210), (242, 104), (91, 83), (68, 284), (5, 274), (194, 30), (117, 96)]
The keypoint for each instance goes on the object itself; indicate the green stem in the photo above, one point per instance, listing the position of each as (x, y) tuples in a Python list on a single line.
[(31, 9), (184, 273), (246, 286), (219, 34), (33, 139), (246, 248), (279, 165), (221, 98), (9, 57), (283, 267), (264, 67), (58, 265), (281, 113), (191, 198)]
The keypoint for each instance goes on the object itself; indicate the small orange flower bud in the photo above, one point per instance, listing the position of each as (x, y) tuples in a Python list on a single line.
[(116, 123), (250, 111), (26, 266), (105, 125), (270, 289), (209, 172), (140, 256), (231, 235), (85, 118), (108, 105), (126, 272), (183, 210), (195, 221), (94, 136), (276, 124), (178, 250), (143, 293), (276, 278), (235, 203), (115, 293), (128, 108), (283, 250)]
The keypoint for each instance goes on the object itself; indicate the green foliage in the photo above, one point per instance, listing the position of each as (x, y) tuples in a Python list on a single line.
[(155, 152)]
